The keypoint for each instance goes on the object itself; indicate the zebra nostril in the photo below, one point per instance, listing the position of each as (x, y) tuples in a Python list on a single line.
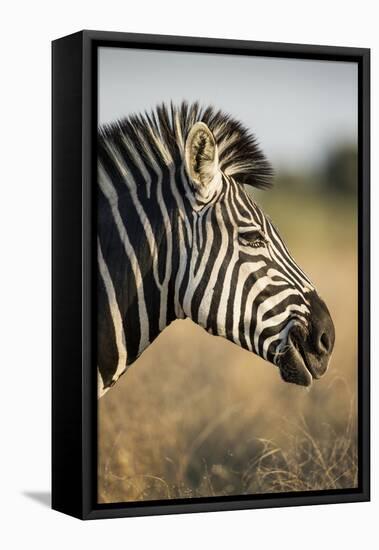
[(324, 343), (322, 327)]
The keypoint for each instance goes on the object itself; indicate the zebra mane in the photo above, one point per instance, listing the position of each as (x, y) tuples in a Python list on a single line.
[(160, 136)]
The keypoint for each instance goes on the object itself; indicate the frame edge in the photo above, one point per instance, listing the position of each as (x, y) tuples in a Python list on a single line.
[(67, 96)]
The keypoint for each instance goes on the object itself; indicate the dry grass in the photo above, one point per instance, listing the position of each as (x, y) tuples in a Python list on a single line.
[(198, 416)]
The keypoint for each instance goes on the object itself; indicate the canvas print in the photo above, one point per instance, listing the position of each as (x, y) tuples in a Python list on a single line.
[(227, 275)]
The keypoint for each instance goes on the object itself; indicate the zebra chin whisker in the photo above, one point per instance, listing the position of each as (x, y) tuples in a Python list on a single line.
[(278, 354)]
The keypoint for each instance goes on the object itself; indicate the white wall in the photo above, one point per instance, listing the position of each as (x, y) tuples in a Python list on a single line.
[(27, 28)]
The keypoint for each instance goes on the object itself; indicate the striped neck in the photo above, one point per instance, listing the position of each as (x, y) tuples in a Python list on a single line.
[(142, 248)]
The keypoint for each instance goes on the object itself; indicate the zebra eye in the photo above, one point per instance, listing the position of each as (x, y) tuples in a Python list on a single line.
[(253, 239)]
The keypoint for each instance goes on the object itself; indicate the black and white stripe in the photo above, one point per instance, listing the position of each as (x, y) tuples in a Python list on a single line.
[(167, 252)]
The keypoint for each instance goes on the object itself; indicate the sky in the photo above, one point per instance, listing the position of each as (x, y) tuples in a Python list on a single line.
[(298, 109)]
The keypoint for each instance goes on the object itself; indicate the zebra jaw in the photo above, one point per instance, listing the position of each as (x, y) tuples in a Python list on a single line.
[(294, 366)]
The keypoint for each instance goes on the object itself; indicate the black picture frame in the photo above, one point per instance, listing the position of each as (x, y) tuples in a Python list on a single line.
[(74, 410)]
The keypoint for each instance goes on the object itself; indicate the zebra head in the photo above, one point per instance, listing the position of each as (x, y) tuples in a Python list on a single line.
[(179, 237), (243, 283)]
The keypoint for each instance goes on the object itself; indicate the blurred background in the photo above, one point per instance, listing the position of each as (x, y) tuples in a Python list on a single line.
[(196, 415)]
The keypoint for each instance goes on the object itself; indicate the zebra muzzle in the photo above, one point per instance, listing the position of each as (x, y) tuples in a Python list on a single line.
[(308, 352), (293, 365)]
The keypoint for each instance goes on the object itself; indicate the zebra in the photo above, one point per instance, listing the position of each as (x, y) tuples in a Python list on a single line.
[(179, 236)]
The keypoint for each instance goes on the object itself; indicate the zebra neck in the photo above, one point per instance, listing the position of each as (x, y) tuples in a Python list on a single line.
[(151, 311), (133, 307), (141, 272)]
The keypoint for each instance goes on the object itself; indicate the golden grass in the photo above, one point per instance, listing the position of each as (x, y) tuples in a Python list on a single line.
[(198, 416)]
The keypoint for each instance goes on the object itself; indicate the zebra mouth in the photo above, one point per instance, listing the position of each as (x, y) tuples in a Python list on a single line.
[(294, 366)]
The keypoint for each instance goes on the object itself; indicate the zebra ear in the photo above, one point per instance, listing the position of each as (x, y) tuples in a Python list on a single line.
[(201, 159)]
